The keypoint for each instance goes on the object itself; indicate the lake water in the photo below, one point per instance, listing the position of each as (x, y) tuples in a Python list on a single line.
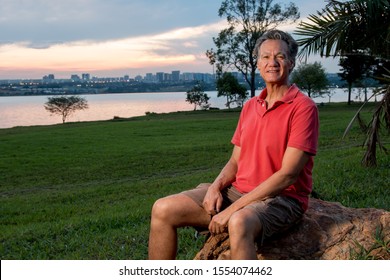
[(29, 110)]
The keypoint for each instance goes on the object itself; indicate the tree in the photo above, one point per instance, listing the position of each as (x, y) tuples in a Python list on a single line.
[(198, 97), (247, 21), (344, 28), (355, 68), (329, 93), (228, 86), (65, 105), (310, 77)]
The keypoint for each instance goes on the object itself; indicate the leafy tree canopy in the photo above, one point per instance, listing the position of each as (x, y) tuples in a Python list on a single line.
[(198, 97), (65, 105), (228, 86), (310, 77)]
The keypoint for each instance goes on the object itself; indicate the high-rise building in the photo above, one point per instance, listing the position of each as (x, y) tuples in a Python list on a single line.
[(188, 76), (175, 76), (75, 78), (160, 77), (167, 77), (85, 77), (149, 77), (48, 78)]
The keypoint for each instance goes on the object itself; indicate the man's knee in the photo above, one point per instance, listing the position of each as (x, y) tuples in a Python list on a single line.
[(244, 223), (172, 209), (162, 208)]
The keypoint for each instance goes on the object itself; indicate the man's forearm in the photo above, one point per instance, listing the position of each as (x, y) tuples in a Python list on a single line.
[(227, 176)]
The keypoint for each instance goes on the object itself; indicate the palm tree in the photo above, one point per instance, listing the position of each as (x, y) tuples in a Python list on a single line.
[(342, 29)]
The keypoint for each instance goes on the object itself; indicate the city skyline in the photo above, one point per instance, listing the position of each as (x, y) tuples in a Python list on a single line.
[(84, 76), (113, 38)]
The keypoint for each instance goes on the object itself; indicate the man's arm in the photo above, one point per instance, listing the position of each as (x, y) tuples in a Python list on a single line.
[(293, 162), (213, 200)]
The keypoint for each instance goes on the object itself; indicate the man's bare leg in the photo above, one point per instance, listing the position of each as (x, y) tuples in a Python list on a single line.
[(243, 227), (168, 214)]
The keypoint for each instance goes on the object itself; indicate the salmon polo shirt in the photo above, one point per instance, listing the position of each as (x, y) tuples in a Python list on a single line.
[(263, 134)]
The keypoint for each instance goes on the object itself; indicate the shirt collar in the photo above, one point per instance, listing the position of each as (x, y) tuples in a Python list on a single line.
[(287, 98)]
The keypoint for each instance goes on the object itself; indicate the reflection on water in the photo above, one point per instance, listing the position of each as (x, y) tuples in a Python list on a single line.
[(29, 110)]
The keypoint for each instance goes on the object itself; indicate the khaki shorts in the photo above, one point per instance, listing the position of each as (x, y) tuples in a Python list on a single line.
[(275, 214)]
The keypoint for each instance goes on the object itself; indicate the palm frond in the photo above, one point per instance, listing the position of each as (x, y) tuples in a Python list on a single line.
[(373, 133), (349, 126), (345, 26), (373, 139)]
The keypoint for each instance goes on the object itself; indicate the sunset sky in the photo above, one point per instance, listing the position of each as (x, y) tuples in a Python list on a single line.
[(113, 38)]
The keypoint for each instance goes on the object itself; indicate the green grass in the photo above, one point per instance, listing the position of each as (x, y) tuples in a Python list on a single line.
[(85, 190)]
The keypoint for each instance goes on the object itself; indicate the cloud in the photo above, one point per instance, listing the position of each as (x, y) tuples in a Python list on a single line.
[(95, 35), (177, 46), (71, 20)]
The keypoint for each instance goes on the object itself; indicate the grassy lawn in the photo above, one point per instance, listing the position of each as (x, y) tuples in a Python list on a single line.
[(85, 190)]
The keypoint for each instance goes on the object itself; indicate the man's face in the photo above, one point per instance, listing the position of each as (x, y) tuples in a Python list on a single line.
[(273, 62)]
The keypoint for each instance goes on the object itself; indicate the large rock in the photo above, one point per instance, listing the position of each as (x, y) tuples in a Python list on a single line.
[(328, 231)]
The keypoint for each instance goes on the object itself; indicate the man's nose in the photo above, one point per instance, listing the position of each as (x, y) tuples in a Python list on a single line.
[(273, 61)]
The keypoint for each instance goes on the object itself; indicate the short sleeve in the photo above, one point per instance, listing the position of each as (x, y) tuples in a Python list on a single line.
[(304, 129)]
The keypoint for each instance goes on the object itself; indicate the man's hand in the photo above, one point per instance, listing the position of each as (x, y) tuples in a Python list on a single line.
[(219, 222), (212, 202)]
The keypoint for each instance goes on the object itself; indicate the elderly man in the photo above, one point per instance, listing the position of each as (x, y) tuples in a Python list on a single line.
[(264, 187)]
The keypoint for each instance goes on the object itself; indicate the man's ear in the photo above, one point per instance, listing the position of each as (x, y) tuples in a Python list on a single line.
[(292, 66)]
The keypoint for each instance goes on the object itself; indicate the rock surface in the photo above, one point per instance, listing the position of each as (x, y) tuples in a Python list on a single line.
[(328, 231)]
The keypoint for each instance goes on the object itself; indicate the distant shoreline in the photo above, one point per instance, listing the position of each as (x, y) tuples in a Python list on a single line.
[(21, 94), (43, 89), (87, 93)]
